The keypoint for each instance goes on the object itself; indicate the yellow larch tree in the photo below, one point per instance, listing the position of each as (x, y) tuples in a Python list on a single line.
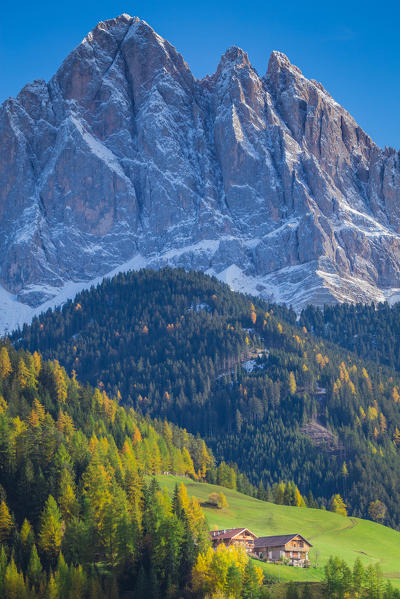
[(60, 382), (395, 395), (6, 522), (338, 505), (5, 363), (396, 436), (204, 459), (292, 383), (3, 405), (137, 436)]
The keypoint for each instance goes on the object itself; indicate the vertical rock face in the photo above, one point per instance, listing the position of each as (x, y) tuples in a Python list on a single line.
[(265, 181)]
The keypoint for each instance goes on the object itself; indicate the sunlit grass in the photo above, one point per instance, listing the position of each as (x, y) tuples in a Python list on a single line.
[(329, 533)]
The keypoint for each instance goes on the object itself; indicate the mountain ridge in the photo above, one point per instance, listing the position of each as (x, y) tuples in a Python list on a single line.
[(124, 156)]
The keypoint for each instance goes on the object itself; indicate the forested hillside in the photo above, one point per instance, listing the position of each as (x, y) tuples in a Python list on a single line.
[(372, 331), (264, 392), (331, 534), (79, 515)]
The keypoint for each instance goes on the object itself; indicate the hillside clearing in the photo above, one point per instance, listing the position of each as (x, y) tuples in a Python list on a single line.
[(330, 534)]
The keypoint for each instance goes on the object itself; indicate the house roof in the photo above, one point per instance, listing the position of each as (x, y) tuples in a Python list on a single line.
[(276, 541), (229, 533)]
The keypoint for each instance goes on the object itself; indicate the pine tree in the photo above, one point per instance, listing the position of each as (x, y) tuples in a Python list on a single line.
[(3, 566), (252, 579), (289, 494), (114, 511), (61, 577), (279, 493), (34, 570), (52, 590), (77, 582), (134, 490), (51, 531), (373, 582), (338, 578), (357, 576), (233, 583), (67, 500), (14, 584), (97, 487), (26, 541)]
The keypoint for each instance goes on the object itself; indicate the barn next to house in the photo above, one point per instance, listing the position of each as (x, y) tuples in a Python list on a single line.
[(292, 549)]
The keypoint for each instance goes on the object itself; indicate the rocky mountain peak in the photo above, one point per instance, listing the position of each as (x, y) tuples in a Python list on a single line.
[(278, 61), (143, 44), (124, 159), (282, 74), (235, 56), (112, 26)]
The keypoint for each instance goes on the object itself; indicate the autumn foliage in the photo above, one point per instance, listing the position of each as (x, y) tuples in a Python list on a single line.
[(79, 516)]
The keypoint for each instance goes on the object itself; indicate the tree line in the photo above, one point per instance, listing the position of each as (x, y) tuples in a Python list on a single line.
[(244, 375), (81, 514)]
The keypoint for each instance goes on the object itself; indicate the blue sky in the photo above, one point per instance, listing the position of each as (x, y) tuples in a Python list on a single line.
[(351, 47)]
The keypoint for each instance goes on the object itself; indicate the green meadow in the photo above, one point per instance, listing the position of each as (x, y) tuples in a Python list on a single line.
[(329, 533)]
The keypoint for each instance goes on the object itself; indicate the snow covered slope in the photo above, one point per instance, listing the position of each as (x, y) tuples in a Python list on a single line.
[(124, 158)]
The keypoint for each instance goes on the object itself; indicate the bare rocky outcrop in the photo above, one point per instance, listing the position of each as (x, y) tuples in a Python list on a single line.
[(322, 437), (265, 181)]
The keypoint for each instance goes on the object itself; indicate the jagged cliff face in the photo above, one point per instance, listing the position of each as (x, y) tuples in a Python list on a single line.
[(124, 158)]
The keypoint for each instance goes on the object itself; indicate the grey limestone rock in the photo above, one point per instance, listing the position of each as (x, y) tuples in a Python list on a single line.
[(264, 181)]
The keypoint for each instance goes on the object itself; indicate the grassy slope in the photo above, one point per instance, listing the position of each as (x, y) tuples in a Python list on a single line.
[(330, 534)]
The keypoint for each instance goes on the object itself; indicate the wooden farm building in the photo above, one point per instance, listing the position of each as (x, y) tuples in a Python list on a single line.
[(290, 548), (238, 537)]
